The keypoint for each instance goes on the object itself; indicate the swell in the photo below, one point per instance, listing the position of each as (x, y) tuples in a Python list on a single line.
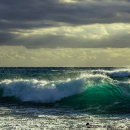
[(94, 93), (124, 72)]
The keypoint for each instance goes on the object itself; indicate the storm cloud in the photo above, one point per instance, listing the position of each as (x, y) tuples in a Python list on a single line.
[(20, 17)]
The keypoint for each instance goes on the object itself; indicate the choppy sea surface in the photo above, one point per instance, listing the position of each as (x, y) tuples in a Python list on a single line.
[(65, 98)]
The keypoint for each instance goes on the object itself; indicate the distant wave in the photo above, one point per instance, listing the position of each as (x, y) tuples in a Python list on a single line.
[(115, 73)]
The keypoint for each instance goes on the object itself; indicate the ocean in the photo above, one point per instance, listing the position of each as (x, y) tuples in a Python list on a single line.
[(57, 98)]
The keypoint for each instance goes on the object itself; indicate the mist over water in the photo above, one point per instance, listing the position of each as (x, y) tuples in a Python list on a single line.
[(68, 91)]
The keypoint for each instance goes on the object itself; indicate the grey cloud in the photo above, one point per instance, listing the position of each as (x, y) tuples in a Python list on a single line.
[(20, 12), (6, 37), (31, 14), (55, 41), (13, 25)]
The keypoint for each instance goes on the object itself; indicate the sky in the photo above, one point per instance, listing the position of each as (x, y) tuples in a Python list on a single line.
[(64, 33)]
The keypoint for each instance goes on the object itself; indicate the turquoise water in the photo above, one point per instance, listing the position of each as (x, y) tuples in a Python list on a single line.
[(98, 93)]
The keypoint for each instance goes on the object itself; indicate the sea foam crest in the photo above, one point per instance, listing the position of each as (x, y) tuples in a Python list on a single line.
[(116, 73), (41, 91)]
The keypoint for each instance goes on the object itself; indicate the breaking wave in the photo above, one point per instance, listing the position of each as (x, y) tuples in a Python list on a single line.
[(91, 92)]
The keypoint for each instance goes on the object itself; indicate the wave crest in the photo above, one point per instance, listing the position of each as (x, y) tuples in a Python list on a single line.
[(114, 73), (41, 91)]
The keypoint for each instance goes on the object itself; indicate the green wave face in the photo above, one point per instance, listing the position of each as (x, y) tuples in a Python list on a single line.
[(102, 97)]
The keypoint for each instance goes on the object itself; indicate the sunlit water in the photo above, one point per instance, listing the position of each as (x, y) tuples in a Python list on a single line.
[(23, 117)]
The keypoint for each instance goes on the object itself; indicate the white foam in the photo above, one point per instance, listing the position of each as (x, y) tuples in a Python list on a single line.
[(116, 73), (42, 91), (93, 76), (53, 120)]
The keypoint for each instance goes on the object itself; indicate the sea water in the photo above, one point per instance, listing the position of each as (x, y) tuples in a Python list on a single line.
[(65, 98)]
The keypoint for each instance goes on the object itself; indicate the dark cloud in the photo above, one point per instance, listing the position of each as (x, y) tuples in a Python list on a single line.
[(31, 14), (83, 12), (6, 38)]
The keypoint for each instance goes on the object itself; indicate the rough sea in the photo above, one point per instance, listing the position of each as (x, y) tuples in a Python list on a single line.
[(64, 98)]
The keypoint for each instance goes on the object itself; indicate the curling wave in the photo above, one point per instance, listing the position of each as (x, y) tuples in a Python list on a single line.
[(91, 92), (41, 91)]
